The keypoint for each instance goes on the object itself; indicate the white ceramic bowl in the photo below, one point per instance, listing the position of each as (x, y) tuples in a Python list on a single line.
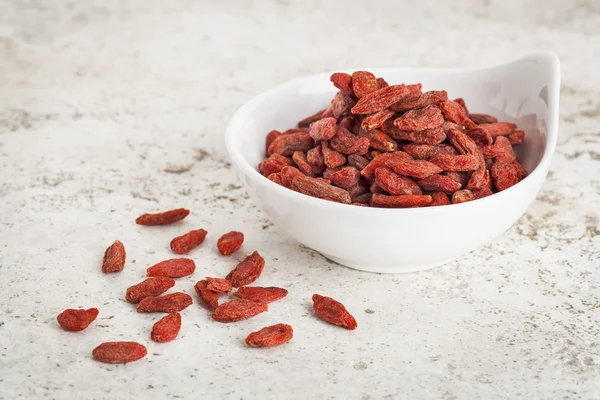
[(525, 91)]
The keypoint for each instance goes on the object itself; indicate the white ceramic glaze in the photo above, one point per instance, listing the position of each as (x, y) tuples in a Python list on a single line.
[(525, 91)]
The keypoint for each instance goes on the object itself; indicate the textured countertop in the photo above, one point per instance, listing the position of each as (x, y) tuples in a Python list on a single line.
[(109, 109)]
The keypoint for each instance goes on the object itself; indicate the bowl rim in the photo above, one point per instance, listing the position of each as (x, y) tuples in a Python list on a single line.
[(549, 58)]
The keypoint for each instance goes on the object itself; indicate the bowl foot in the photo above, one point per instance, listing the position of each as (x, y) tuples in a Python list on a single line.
[(386, 269)]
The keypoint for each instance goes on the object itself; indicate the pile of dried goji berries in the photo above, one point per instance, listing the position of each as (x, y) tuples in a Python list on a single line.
[(148, 294), (394, 146)]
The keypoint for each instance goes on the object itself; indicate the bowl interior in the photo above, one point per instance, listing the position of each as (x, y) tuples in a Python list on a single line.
[(517, 92)]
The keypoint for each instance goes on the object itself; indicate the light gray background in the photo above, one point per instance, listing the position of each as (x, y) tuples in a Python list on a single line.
[(108, 110)]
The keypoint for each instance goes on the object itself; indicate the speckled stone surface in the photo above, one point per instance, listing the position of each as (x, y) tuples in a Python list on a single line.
[(109, 109)]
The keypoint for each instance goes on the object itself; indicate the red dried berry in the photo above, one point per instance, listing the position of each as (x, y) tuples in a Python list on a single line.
[(218, 285), (76, 320), (377, 119), (238, 309), (317, 188), (516, 137), (261, 294), (343, 82), (315, 158), (209, 298), (114, 258), (480, 179), (431, 98), (270, 336), (357, 161), (388, 160), (479, 135), (463, 143), (274, 164), (416, 168), (331, 157), (230, 242), (173, 268), (163, 218), (363, 83), (345, 177), (302, 163), (383, 98), (394, 183), (428, 117), (288, 174), (333, 312), (439, 199), (462, 196), (453, 111), (286, 145), (341, 104), (506, 153), (427, 151), (462, 103), (505, 175), (379, 141), (167, 328), (439, 183), (382, 83), (275, 178), (271, 136), (456, 163), (323, 129), (168, 303), (185, 243), (483, 118), (247, 271), (402, 201), (431, 136), (149, 288), (119, 352), (347, 143)]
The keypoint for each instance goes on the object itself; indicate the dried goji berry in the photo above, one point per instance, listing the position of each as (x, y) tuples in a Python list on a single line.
[(333, 312), (439, 199), (305, 123), (163, 218), (394, 183), (286, 145), (461, 177), (315, 158), (463, 143), (362, 198), (384, 160), (416, 168), (420, 119), (323, 129), (185, 243), (363, 83), (382, 83), (506, 153), (431, 98), (456, 163), (230, 242), (499, 128), (271, 136), (383, 98), (168, 303), (516, 137), (345, 177), (261, 294), (479, 179), (479, 135), (481, 193), (218, 285), (316, 188), (270, 336), (462, 196), (341, 104), (119, 352), (453, 111), (462, 103), (114, 258), (401, 201), (275, 178), (238, 309), (360, 188), (288, 174), (357, 161), (167, 328), (343, 82), (482, 118), (377, 119), (439, 183), (379, 141), (427, 151), (332, 158), (173, 268), (505, 175), (347, 143), (431, 136), (76, 320), (302, 163), (274, 164), (149, 288), (247, 271), (209, 297)]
